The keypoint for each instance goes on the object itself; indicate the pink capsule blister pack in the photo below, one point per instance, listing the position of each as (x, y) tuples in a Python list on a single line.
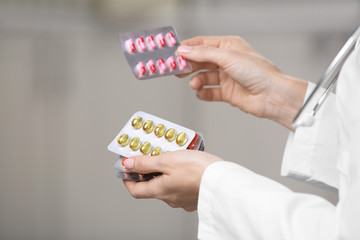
[(151, 53)]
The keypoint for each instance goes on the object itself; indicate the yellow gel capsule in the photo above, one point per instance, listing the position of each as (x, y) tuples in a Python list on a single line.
[(135, 143), (123, 140), (159, 130), (181, 139), (170, 135), (156, 151), (148, 126), (137, 122), (145, 148)]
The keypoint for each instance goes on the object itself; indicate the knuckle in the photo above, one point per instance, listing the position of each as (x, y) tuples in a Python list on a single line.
[(140, 165), (162, 160), (200, 39), (231, 41), (237, 38), (203, 50), (158, 194), (172, 202), (202, 76), (200, 94), (189, 209), (135, 194)]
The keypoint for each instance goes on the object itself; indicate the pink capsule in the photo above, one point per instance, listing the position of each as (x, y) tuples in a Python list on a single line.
[(151, 66), (140, 68), (130, 46), (141, 44), (141, 177), (171, 39), (182, 62), (161, 40), (150, 42), (161, 64), (171, 62)]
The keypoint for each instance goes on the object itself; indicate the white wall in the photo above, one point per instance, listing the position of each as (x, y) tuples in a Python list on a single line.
[(66, 90)]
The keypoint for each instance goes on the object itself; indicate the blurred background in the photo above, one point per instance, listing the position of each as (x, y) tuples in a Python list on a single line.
[(66, 90)]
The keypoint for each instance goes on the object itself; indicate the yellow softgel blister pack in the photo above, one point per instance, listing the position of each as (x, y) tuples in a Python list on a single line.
[(150, 135), (146, 134)]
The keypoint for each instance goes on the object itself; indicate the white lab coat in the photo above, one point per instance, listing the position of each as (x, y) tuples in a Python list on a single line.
[(236, 203)]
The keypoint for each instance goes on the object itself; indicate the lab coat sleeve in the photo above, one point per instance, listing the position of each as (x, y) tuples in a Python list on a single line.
[(348, 99), (235, 203), (311, 152)]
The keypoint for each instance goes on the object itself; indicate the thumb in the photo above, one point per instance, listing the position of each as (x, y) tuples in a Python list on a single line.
[(201, 53), (144, 164)]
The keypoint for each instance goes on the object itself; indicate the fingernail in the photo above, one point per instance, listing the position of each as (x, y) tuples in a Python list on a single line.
[(129, 163), (184, 49)]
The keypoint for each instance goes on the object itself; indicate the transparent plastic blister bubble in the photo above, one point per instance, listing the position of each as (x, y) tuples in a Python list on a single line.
[(198, 143), (146, 134), (151, 53)]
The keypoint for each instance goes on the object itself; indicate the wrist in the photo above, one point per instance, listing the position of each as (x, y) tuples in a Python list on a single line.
[(285, 98)]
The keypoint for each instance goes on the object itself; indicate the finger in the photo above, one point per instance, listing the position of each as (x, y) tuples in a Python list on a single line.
[(146, 164), (219, 42), (203, 40), (209, 94), (205, 78), (196, 66), (202, 53), (140, 189), (211, 41)]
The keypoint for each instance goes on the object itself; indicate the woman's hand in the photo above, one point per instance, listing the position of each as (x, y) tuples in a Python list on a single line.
[(242, 77), (179, 184), (238, 75)]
